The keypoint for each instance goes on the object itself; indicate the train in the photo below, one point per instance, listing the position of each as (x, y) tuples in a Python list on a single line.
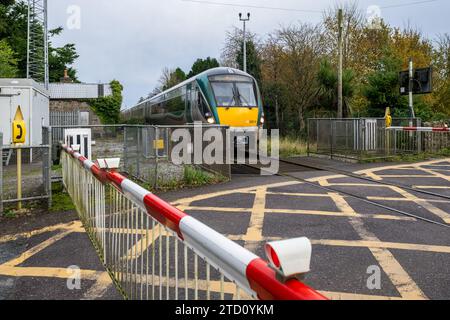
[(218, 96)]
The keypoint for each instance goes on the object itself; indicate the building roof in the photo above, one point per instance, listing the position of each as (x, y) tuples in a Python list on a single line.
[(78, 91), (23, 83)]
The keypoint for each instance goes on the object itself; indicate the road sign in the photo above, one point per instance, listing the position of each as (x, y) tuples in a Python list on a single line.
[(158, 144), (19, 130), (422, 82)]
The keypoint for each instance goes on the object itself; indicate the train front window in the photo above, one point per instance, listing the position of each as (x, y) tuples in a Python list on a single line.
[(225, 94), (246, 94), (234, 94)]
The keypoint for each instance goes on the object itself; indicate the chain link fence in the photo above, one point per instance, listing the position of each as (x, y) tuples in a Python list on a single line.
[(145, 151), (148, 152), (32, 182)]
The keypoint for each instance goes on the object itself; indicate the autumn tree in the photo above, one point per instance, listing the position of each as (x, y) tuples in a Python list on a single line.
[(303, 46)]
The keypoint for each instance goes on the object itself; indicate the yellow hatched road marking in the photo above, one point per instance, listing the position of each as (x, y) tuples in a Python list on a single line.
[(383, 245), (187, 201), (437, 174), (416, 165), (355, 296), (302, 212), (432, 187), (74, 226), (36, 249), (406, 199), (406, 176), (140, 245), (102, 283), (427, 205), (62, 273), (254, 231), (405, 285)]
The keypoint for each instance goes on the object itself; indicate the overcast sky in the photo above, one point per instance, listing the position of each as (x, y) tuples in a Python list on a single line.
[(133, 40)]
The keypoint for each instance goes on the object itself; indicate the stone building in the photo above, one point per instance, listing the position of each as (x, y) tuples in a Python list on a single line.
[(69, 100)]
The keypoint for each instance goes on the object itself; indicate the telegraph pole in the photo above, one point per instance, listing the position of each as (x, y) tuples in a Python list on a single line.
[(340, 71), (244, 20)]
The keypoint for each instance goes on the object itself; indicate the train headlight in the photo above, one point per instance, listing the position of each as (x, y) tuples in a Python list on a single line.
[(209, 118)]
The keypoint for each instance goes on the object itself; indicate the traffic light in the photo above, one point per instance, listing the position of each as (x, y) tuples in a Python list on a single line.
[(422, 81)]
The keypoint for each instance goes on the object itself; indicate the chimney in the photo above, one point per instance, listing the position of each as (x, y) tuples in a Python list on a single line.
[(66, 78)]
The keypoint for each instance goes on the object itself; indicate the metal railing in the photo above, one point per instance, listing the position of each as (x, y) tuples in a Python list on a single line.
[(155, 251), (357, 139), (407, 140)]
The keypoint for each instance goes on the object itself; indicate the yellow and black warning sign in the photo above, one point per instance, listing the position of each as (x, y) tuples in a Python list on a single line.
[(158, 144), (19, 131)]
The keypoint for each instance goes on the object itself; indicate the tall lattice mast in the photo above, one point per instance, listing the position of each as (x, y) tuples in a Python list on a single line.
[(37, 44)]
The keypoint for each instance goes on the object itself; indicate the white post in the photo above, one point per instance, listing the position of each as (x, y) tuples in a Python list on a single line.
[(411, 87)]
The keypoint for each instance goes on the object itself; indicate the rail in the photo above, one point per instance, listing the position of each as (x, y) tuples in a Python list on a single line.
[(155, 251)]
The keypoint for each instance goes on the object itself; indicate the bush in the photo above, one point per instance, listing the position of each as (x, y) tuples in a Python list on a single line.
[(108, 108)]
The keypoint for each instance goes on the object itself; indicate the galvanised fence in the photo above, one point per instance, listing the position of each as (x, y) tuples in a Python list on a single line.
[(32, 183), (360, 139)]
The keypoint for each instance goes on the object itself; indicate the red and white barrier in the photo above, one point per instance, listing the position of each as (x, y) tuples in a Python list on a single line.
[(419, 129), (247, 270)]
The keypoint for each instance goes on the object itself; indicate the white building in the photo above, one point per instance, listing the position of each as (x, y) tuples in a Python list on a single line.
[(33, 100)]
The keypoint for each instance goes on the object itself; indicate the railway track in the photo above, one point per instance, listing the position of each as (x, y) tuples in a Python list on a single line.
[(287, 167), (357, 176)]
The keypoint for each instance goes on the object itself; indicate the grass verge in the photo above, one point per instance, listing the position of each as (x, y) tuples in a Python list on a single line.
[(291, 147), (61, 200), (193, 177)]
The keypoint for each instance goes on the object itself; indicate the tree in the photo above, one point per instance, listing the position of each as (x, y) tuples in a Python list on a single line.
[(13, 29), (441, 77), (272, 89), (253, 59), (8, 62), (108, 108), (328, 81), (202, 65), (171, 78), (234, 45), (383, 90), (303, 46)]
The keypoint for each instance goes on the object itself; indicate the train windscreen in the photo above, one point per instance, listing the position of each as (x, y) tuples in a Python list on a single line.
[(237, 91)]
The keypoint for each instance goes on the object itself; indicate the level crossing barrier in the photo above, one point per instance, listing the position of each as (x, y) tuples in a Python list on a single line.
[(154, 251)]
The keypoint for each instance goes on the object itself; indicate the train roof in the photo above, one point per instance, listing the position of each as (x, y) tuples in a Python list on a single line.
[(207, 73)]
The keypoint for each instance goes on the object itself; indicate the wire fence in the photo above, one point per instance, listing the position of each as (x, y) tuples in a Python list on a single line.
[(145, 151), (32, 182), (148, 153), (154, 251)]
